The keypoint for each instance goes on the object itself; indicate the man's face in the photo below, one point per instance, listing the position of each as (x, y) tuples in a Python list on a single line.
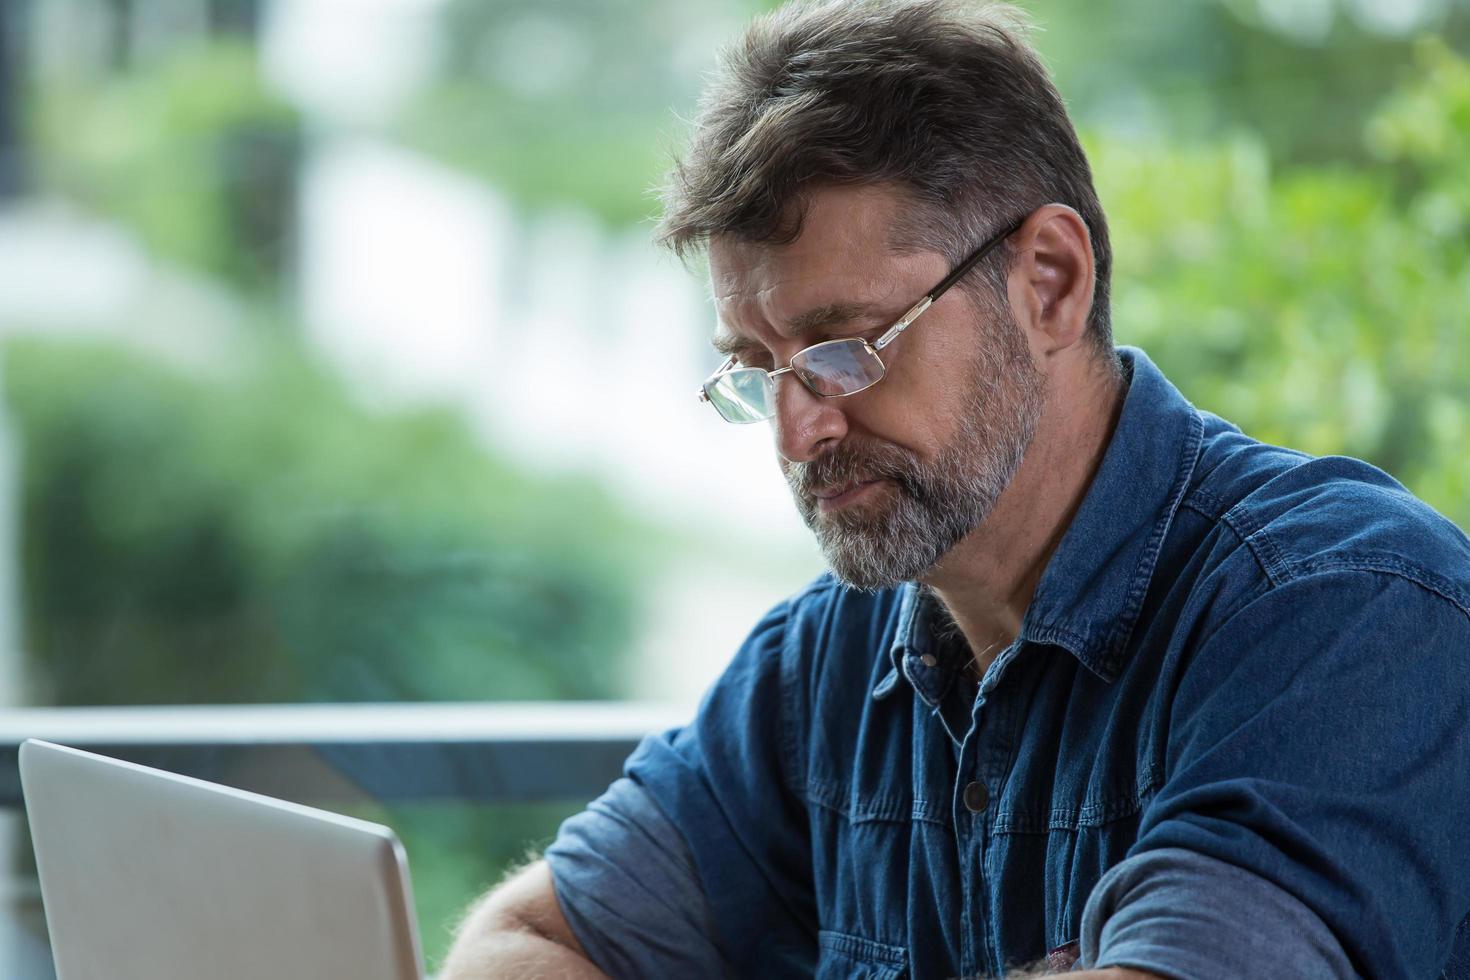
[(892, 478)]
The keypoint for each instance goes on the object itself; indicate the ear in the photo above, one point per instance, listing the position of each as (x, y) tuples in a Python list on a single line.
[(1051, 279)]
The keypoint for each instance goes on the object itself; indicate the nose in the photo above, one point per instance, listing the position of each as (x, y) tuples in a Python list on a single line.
[(806, 425)]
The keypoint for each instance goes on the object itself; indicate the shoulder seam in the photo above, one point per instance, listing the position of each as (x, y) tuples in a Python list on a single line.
[(1203, 502), (1414, 574), (1278, 569)]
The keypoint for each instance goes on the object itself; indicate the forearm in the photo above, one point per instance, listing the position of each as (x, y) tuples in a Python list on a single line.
[(517, 931), (1103, 973), (519, 954)]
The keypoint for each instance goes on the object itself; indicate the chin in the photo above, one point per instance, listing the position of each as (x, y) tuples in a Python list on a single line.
[(874, 571), (873, 561)]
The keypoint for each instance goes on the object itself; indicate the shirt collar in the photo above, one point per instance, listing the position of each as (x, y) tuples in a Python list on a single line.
[(1089, 597), (917, 654)]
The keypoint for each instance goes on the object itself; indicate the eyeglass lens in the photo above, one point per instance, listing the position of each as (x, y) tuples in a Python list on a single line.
[(742, 395), (837, 367)]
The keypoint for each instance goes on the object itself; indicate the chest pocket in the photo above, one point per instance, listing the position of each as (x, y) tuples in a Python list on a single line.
[(841, 956)]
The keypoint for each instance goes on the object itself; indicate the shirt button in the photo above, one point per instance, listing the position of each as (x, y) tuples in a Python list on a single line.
[(928, 660), (976, 796)]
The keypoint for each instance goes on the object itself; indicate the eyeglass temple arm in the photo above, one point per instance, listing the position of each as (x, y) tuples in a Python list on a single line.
[(955, 276), (913, 314)]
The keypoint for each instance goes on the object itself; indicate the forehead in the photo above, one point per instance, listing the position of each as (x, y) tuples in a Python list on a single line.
[(844, 254)]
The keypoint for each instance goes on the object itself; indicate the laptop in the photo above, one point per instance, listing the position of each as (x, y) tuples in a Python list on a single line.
[(147, 875)]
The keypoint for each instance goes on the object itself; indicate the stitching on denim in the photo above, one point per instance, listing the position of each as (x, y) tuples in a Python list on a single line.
[(1059, 636), (927, 811), (794, 760), (790, 751), (1286, 569), (863, 949), (826, 796), (838, 798), (1088, 816), (1204, 502), (1143, 572), (917, 685), (1414, 574), (1243, 522)]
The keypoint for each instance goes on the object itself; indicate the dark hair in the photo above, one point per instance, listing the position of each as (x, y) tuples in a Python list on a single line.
[(944, 99)]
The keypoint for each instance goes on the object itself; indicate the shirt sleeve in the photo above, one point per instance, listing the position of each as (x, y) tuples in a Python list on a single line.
[(1181, 914), (1319, 745), (728, 783), (627, 886)]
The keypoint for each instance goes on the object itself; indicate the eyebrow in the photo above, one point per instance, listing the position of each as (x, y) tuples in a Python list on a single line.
[(812, 321)]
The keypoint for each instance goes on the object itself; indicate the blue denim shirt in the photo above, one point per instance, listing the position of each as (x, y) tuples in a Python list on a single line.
[(1240, 696)]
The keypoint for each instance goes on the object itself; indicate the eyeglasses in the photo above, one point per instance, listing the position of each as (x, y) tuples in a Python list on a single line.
[(831, 369)]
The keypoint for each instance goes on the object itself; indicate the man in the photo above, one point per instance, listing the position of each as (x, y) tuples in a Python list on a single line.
[(1096, 681)]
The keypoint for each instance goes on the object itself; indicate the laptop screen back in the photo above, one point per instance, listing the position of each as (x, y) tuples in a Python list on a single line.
[(146, 875)]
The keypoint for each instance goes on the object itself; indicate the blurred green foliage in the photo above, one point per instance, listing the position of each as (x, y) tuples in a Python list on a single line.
[(259, 537), (250, 533), (191, 151), (1188, 72), (256, 536), (1322, 308), (576, 104), (567, 105), (604, 164)]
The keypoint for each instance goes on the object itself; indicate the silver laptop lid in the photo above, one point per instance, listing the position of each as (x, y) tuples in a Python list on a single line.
[(146, 875)]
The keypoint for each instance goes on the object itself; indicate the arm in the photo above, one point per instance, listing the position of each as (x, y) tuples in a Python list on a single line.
[(1188, 915), (1041, 970), (1310, 819), (616, 894), (518, 930), (622, 891)]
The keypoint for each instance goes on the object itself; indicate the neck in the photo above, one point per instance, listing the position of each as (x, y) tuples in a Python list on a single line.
[(988, 579)]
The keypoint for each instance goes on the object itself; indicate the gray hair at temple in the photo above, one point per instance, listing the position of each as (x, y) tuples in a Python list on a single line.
[(944, 99)]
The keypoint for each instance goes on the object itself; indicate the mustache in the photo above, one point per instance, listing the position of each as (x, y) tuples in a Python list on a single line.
[(849, 465)]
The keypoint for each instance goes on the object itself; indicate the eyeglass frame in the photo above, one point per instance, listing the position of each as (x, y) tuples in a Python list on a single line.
[(888, 336)]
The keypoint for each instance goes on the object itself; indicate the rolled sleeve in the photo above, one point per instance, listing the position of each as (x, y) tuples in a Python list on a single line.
[(627, 886), (726, 781), (1180, 914), (1320, 746)]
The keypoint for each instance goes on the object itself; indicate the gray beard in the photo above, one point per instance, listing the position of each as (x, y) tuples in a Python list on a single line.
[(929, 507)]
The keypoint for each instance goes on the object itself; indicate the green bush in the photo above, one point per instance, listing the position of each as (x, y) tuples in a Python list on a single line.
[(255, 536), (192, 152), (1319, 308)]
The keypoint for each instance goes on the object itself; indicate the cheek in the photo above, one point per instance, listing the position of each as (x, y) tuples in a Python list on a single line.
[(926, 387), (938, 353), (894, 413)]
